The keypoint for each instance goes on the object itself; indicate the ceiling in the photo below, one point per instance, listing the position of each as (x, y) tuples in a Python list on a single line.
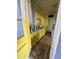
[(49, 6)]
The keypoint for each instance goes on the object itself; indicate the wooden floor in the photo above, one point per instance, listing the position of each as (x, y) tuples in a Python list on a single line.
[(42, 48)]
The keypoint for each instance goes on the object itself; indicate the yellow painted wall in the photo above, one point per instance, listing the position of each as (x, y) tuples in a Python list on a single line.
[(40, 14), (43, 18)]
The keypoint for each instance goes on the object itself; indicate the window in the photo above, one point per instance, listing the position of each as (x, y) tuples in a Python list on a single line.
[(20, 32)]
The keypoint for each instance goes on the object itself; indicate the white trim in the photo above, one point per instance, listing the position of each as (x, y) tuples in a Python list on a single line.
[(56, 35)]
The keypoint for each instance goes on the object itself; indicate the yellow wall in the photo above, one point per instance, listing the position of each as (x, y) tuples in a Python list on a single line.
[(44, 20), (40, 15)]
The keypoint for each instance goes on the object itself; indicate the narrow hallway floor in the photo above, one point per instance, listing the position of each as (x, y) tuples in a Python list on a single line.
[(42, 49)]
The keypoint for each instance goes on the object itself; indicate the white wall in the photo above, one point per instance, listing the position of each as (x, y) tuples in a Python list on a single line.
[(51, 21), (56, 35)]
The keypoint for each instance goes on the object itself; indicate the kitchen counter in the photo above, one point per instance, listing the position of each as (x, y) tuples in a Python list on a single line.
[(36, 36)]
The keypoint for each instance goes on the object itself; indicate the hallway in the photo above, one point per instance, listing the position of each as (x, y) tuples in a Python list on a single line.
[(42, 48), (36, 24)]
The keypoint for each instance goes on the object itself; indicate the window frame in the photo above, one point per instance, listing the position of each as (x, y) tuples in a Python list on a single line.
[(19, 18)]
